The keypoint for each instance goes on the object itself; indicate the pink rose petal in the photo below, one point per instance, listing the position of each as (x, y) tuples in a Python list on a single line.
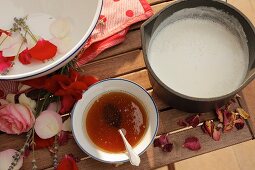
[(48, 124), (6, 159), (192, 143), (216, 134)]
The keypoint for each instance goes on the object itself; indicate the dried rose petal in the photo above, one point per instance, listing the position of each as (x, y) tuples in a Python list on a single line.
[(168, 147), (43, 50), (220, 114), (182, 123), (192, 143), (209, 127), (25, 57), (156, 143), (216, 134), (163, 139), (243, 113), (193, 120), (42, 143), (239, 123)]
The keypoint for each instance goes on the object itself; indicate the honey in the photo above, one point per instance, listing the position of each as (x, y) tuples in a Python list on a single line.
[(113, 111)]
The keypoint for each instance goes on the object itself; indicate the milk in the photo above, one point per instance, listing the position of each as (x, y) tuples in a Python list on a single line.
[(198, 57)]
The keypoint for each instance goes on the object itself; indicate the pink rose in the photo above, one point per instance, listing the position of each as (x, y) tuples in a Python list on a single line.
[(15, 118)]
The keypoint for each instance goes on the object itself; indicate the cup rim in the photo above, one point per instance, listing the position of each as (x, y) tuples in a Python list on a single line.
[(152, 137)]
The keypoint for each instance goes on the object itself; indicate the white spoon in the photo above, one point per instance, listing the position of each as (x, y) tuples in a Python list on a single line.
[(133, 157)]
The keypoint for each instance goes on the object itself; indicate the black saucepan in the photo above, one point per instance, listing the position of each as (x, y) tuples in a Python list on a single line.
[(182, 101)]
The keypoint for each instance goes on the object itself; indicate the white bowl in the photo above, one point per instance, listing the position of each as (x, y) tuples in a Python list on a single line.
[(79, 114), (82, 14)]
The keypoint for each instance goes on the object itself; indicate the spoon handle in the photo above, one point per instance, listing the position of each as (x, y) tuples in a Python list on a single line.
[(133, 157)]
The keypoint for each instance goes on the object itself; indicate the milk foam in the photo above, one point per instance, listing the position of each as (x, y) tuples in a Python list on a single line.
[(199, 57)]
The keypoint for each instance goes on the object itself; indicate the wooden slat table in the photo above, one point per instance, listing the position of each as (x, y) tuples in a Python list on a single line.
[(126, 61)]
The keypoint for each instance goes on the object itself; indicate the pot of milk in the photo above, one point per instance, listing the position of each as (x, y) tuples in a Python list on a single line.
[(199, 53)]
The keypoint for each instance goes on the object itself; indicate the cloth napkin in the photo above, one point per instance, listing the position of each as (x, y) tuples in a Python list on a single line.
[(113, 25), (111, 29)]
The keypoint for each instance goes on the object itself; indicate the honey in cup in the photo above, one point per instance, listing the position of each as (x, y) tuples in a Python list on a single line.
[(113, 111)]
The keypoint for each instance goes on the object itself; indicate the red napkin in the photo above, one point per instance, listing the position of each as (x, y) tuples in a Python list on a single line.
[(113, 25)]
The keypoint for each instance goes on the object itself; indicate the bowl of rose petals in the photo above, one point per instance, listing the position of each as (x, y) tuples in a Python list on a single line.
[(39, 38)]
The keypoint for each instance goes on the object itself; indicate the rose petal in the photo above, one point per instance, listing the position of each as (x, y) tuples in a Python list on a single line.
[(239, 123), (14, 50), (67, 163), (243, 113), (220, 114), (209, 127), (156, 143), (43, 143), (54, 106), (3, 102), (163, 139), (6, 159), (60, 28), (192, 143), (216, 134), (168, 147), (63, 137), (43, 50), (67, 125), (67, 103), (26, 101), (193, 120), (10, 41), (5, 63), (25, 57), (48, 124)]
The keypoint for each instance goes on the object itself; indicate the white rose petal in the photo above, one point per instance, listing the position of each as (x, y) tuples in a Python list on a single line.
[(10, 98), (26, 101), (6, 159), (60, 28)]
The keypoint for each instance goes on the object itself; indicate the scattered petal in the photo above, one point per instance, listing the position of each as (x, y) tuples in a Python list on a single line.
[(67, 125), (10, 41), (220, 114), (63, 137), (60, 28), (243, 113), (67, 163), (23, 87), (209, 127), (5, 32), (156, 143), (216, 134), (167, 147), (53, 107), (193, 120), (163, 139), (192, 143), (48, 124), (239, 123), (13, 50), (43, 50), (26, 101), (25, 57), (67, 103), (10, 98), (3, 102), (6, 159)]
